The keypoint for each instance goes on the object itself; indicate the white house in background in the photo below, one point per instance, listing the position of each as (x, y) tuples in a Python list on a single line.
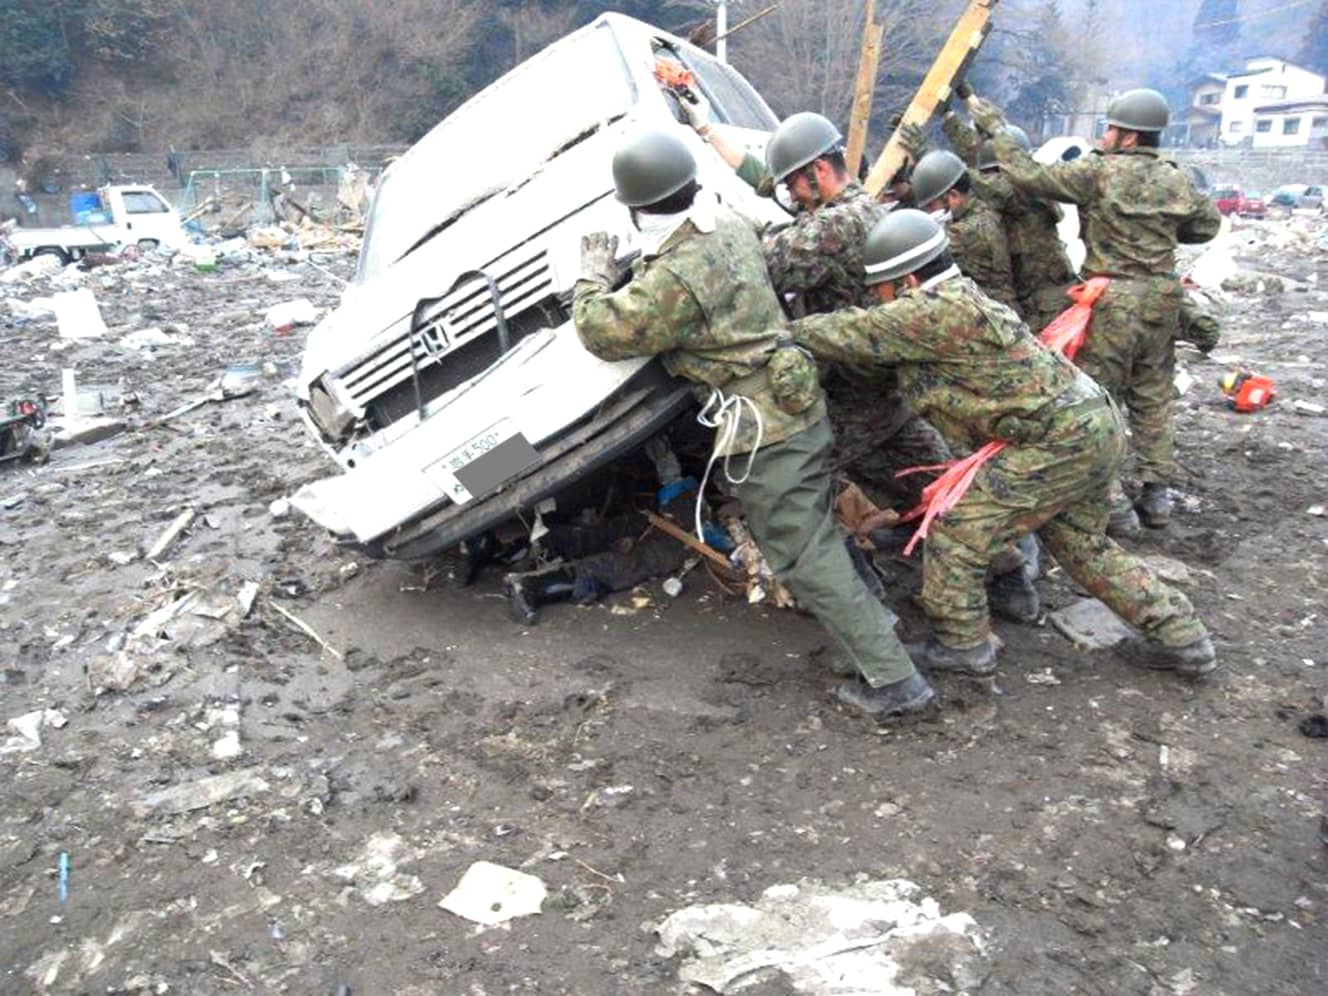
[(1295, 123), (1253, 99)]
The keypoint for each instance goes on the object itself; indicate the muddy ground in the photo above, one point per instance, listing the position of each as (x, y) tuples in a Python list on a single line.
[(1111, 831)]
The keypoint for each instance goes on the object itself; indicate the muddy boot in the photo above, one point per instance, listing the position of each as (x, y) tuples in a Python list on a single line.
[(527, 592), (1194, 660), (1124, 523), (485, 549), (933, 655), (911, 694), (1154, 506), (1013, 597)]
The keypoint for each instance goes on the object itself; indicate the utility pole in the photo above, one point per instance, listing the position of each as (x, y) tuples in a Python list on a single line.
[(721, 30)]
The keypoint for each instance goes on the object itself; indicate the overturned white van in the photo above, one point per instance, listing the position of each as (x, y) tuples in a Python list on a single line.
[(450, 385)]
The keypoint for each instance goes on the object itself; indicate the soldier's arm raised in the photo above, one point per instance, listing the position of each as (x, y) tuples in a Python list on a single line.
[(651, 315), (963, 137), (1074, 182)]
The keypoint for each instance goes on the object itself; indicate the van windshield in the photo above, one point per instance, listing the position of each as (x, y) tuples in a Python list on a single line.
[(496, 138)]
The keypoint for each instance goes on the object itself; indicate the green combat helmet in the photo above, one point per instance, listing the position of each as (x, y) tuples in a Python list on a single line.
[(902, 242), (935, 173), (987, 151), (1139, 110), (650, 167), (800, 139)]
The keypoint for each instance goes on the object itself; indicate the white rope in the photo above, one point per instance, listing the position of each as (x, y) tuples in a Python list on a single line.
[(723, 413)]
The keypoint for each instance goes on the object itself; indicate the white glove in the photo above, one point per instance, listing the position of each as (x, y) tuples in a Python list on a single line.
[(697, 110)]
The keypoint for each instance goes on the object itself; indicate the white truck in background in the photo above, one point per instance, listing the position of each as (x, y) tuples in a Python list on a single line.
[(135, 214)]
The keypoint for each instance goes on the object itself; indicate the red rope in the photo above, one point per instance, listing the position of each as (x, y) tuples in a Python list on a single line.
[(1065, 334)]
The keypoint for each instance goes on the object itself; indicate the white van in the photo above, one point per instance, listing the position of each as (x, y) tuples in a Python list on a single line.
[(450, 385)]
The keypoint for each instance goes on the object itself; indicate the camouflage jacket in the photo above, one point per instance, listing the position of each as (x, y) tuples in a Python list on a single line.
[(817, 260), (966, 363), (978, 245), (705, 305), (1037, 255), (1134, 206)]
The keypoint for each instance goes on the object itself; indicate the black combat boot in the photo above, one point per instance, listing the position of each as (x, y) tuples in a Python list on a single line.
[(1124, 522), (1154, 506), (527, 592), (1012, 596), (1194, 660), (933, 655), (911, 694)]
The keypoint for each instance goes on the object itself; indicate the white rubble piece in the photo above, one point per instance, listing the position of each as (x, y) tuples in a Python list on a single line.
[(490, 894), (374, 871), (78, 315), (204, 792), (283, 317), (38, 309), (43, 265), (167, 539), (1090, 625), (878, 937), (25, 731)]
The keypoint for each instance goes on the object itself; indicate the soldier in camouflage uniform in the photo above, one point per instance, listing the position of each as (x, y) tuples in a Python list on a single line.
[(942, 185), (971, 367), (1042, 272), (700, 298), (816, 265), (1134, 208)]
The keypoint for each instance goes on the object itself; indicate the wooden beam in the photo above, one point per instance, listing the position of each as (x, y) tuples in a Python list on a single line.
[(872, 34), (963, 44)]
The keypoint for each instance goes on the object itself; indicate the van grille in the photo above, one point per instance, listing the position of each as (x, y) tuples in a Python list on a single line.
[(458, 323)]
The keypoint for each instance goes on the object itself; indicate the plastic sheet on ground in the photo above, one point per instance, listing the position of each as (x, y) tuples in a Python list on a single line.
[(879, 937)]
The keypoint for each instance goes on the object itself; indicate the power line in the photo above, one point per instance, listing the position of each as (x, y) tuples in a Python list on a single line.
[(1256, 15)]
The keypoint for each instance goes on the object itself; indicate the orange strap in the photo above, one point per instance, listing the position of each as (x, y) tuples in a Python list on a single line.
[(1065, 333)]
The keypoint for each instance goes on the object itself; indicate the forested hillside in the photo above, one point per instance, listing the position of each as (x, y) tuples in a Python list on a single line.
[(143, 75)]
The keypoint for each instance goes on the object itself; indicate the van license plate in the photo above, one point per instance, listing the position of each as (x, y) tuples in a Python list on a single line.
[(483, 462)]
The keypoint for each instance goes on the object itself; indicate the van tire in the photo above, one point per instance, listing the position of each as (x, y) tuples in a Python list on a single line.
[(147, 245)]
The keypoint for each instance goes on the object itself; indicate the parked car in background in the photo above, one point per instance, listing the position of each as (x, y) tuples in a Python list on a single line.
[(1233, 200), (1298, 195), (1252, 205)]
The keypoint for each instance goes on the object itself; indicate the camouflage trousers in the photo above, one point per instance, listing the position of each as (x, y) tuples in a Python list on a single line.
[(1130, 351), (876, 437), (1057, 489), (1045, 304), (786, 499)]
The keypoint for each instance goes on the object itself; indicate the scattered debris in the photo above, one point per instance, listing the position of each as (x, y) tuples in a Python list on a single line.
[(172, 533), (490, 894), (873, 937), (204, 792), (284, 317), (1090, 625), (26, 730), (78, 315), (374, 872)]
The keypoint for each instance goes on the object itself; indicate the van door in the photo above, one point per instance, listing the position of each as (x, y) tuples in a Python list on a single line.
[(147, 217)]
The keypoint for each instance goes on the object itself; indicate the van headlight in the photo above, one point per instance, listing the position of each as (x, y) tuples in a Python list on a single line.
[(334, 421)]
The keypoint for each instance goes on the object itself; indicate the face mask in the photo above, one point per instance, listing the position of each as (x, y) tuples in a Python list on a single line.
[(941, 216), (655, 228)]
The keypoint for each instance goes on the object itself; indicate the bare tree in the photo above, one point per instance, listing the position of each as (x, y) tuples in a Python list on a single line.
[(804, 56), (534, 26)]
